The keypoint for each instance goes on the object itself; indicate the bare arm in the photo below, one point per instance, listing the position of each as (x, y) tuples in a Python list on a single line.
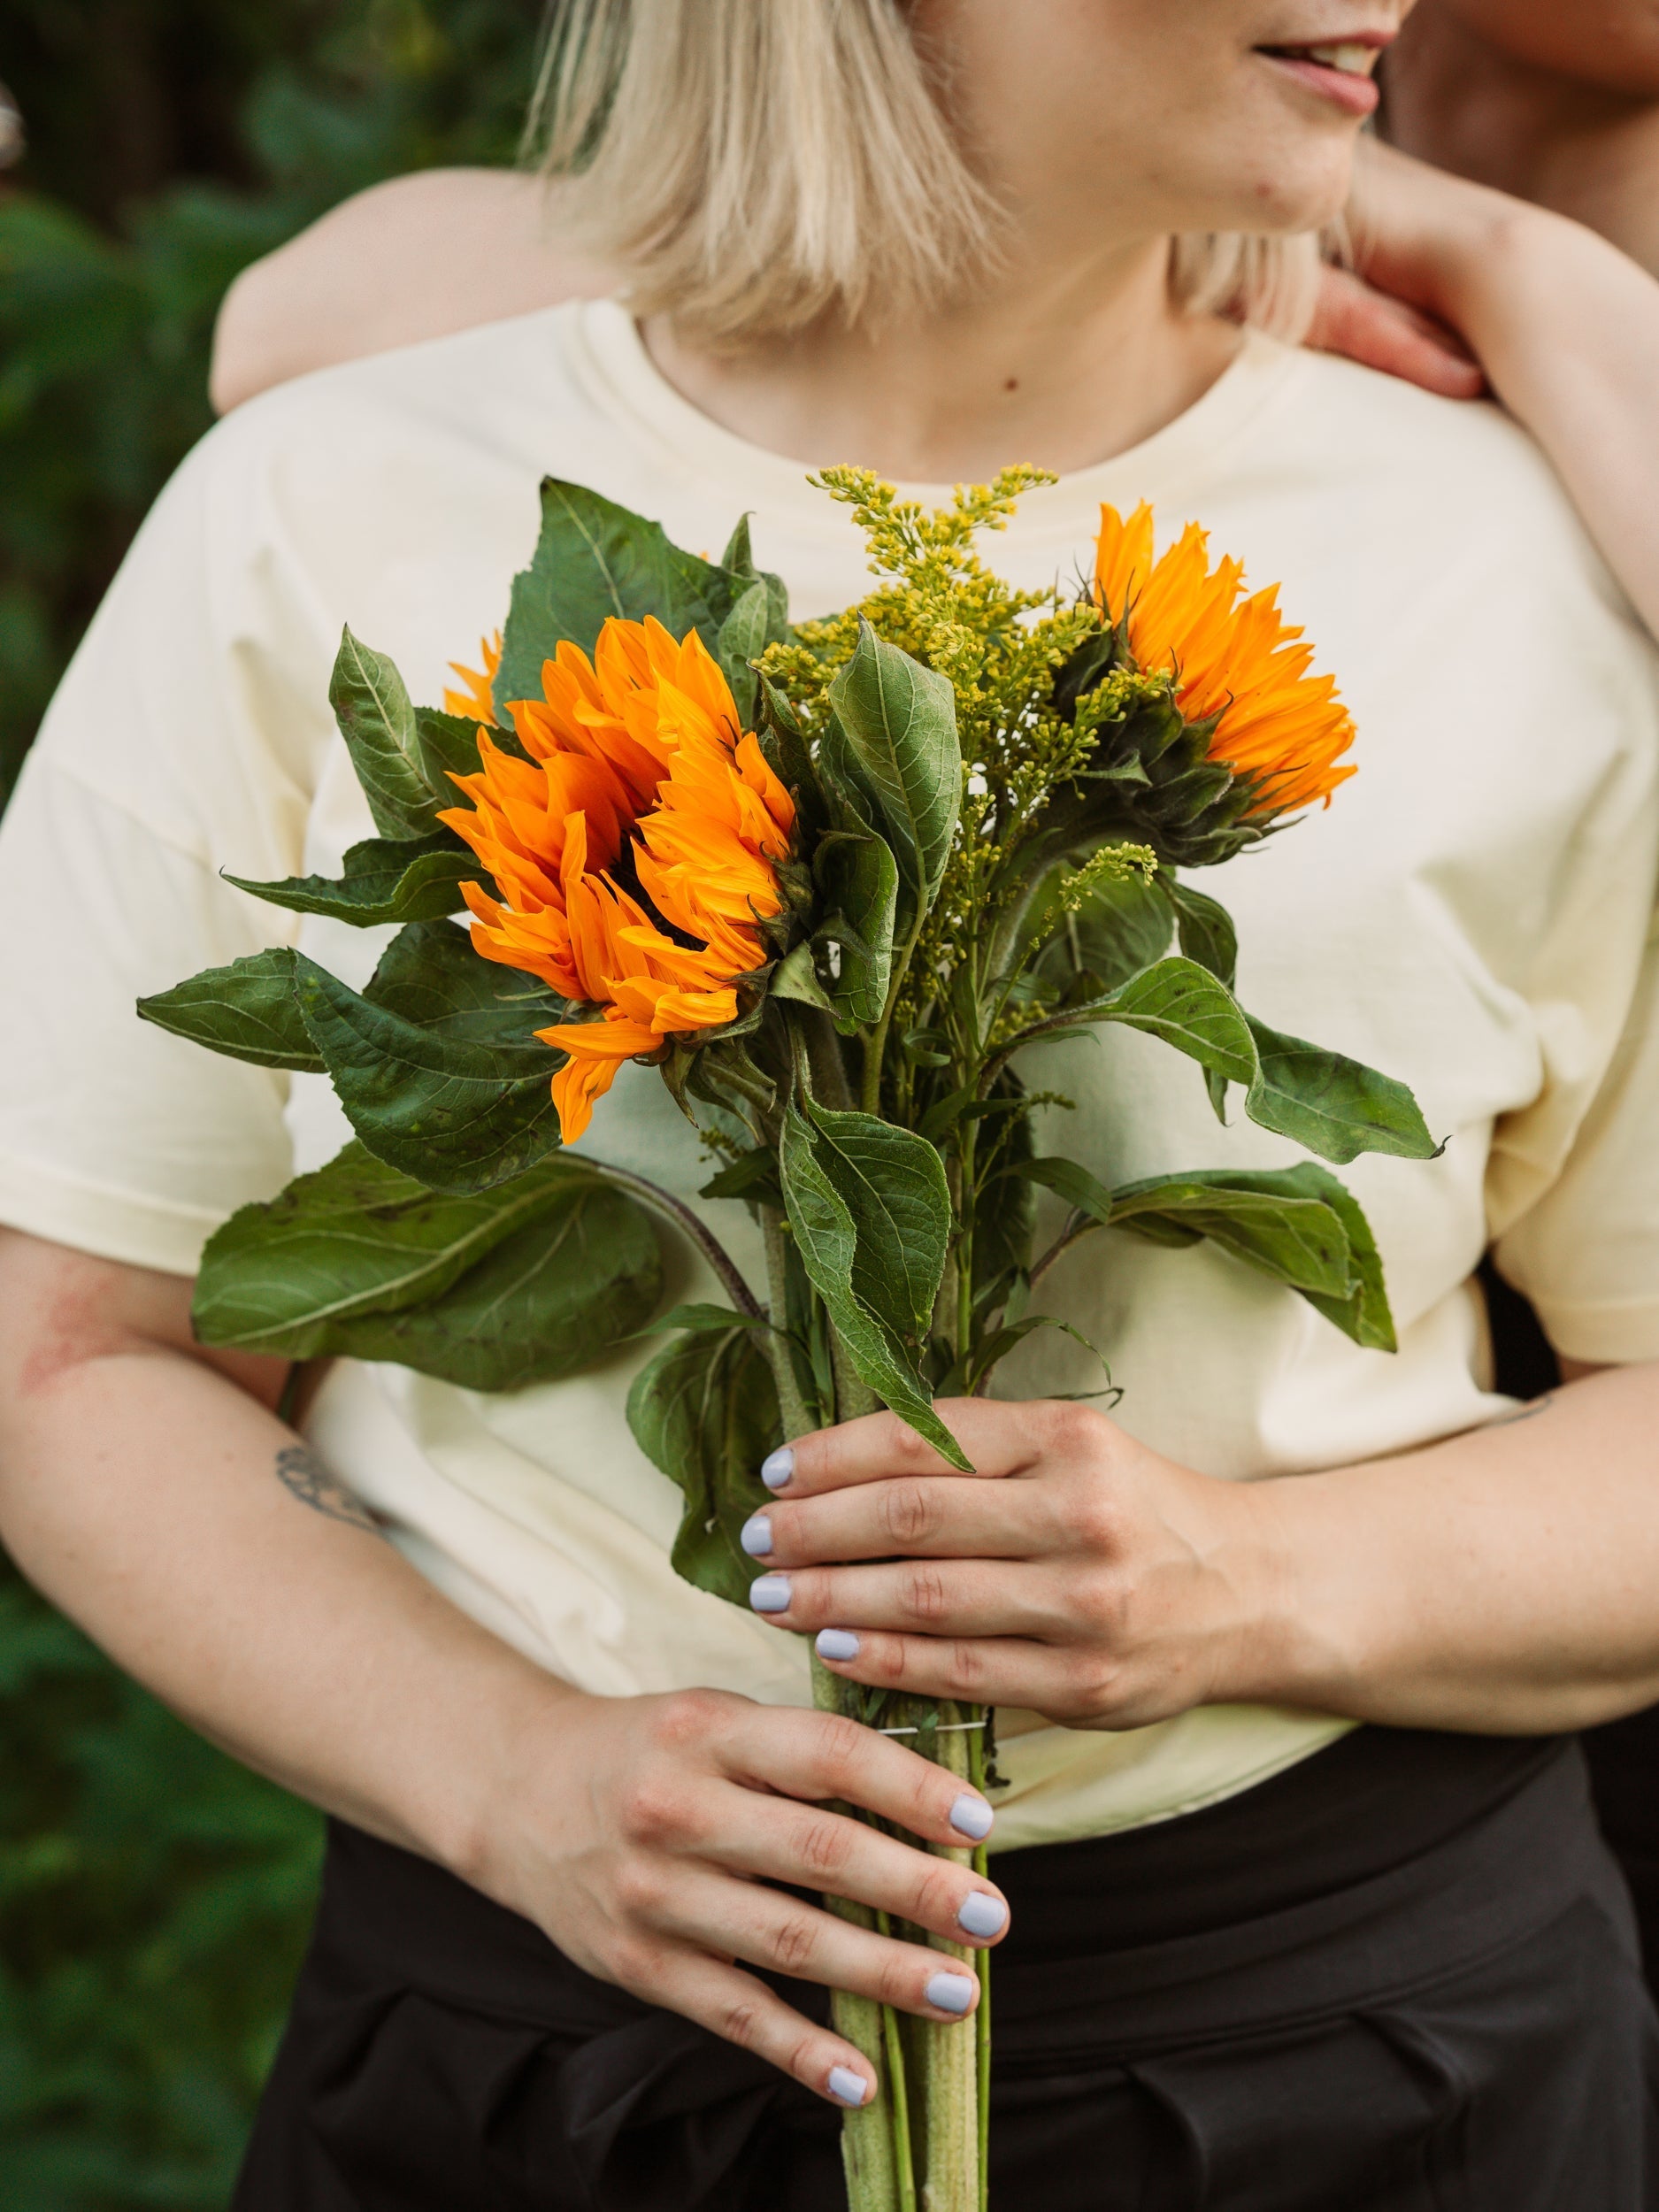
[(1503, 1581), (148, 1488), (415, 257), (1565, 327)]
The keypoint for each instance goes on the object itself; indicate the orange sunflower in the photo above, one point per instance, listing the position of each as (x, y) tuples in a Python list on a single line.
[(1277, 722), (634, 851)]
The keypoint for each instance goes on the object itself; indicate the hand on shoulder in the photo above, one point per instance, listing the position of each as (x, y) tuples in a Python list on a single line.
[(417, 256)]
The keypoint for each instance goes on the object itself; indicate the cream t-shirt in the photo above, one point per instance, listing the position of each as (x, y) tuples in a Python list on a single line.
[(1471, 914)]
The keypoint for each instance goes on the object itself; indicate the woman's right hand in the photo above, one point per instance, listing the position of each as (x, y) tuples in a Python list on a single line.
[(646, 1833)]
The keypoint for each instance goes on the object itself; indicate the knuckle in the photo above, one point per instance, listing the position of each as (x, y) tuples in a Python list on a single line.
[(634, 1966), (739, 2021), (924, 1596), (902, 1446), (937, 1897), (965, 1670), (1101, 1603), (842, 1746), (823, 1845), (793, 1943), (687, 1718), (1095, 1522), (640, 1889), (654, 1811), (1070, 1431), (909, 1512)]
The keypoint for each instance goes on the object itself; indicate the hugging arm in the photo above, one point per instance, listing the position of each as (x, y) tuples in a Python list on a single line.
[(1565, 326)]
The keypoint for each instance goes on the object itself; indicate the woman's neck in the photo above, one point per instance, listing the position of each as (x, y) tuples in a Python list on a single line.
[(1059, 366), (1453, 99)]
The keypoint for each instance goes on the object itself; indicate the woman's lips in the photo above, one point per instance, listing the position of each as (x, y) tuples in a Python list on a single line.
[(1340, 72)]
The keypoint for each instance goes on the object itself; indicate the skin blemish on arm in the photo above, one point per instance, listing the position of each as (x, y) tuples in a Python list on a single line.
[(305, 1477)]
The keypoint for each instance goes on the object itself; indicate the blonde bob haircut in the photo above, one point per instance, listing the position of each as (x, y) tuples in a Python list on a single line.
[(755, 165)]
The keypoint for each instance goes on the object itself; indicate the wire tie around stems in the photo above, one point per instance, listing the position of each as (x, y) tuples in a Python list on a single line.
[(941, 1728)]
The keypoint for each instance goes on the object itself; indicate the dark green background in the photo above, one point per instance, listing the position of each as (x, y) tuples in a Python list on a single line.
[(153, 1896)]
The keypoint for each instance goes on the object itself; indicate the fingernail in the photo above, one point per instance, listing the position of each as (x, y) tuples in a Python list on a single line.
[(982, 1915), (776, 1470), (846, 2086), (770, 1594), (757, 1535), (837, 1643), (950, 1992), (968, 1815)]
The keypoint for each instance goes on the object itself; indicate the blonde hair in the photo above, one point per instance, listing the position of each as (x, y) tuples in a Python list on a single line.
[(754, 164)]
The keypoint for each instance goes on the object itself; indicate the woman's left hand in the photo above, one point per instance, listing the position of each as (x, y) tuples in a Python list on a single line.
[(1075, 1573)]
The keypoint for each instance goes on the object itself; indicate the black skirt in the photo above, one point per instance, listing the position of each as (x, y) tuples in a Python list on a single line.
[(1401, 1978)]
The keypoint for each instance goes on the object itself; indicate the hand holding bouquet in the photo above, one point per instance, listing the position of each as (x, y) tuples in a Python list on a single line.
[(837, 881)]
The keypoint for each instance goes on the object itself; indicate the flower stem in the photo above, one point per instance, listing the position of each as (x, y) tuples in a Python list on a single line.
[(675, 1209), (875, 2137), (950, 2063), (791, 1405)]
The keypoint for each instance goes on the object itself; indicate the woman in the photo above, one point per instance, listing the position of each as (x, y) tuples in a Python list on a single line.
[(1254, 1953)]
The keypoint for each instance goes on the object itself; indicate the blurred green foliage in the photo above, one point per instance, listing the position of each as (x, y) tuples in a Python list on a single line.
[(154, 1897)]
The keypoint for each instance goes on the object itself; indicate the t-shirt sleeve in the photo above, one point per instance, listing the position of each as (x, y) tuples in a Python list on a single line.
[(172, 750), (1586, 1252)]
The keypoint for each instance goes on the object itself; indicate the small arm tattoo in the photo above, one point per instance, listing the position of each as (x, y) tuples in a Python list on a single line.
[(302, 1473)]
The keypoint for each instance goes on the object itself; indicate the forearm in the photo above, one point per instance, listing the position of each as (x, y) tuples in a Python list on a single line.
[(142, 1491), (1506, 1580), (1567, 328)]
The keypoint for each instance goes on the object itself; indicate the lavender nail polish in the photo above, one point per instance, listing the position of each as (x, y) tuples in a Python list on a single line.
[(950, 1992), (776, 1470), (982, 1915), (970, 1817), (757, 1535), (846, 2086), (770, 1594), (837, 1643)]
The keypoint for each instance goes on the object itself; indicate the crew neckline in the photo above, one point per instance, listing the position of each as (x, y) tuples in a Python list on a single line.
[(609, 355)]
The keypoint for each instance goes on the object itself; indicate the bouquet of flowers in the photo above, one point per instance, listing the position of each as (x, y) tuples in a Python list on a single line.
[(836, 880)]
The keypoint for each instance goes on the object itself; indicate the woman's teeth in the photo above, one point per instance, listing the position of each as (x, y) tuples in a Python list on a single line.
[(1356, 61)]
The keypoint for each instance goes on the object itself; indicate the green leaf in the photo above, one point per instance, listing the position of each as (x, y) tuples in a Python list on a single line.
[(456, 1113), (594, 559), (430, 975), (899, 722), (386, 879), (1084, 1193), (527, 1283), (705, 1412), (795, 977), (377, 720), (1207, 933), (754, 1176), (447, 745), (1334, 1106), (250, 1010), (700, 1316), (1295, 1237), (1298, 1225), (827, 1240), (859, 879), (893, 1185), (1182, 1004), (756, 621)]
